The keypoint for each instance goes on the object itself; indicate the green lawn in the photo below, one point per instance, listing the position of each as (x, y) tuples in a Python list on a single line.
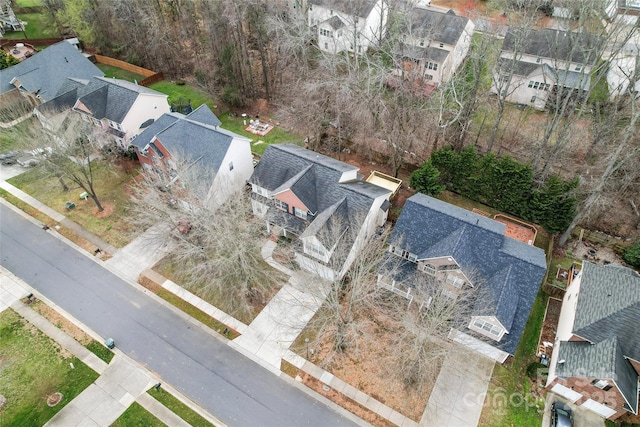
[(137, 416), (275, 136), (28, 377), (39, 26), (509, 402), (110, 185), (10, 138), (111, 71), (28, 3), (195, 95), (179, 408), (100, 350)]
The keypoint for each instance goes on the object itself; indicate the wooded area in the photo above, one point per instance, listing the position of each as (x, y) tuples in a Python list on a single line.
[(249, 50)]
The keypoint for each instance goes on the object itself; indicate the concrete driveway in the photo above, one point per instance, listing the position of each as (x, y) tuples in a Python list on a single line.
[(581, 417), (458, 394)]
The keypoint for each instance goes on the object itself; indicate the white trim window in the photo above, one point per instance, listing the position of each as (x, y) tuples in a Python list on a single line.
[(488, 329), (281, 205), (455, 281), (300, 213), (429, 269), (316, 250)]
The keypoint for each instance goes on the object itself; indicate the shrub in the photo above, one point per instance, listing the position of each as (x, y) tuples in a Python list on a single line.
[(426, 179), (632, 255)]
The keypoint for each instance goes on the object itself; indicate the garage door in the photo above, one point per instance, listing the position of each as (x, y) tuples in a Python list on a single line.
[(566, 392), (598, 408)]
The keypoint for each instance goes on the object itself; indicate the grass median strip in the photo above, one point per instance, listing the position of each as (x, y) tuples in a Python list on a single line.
[(137, 416), (177, 407)]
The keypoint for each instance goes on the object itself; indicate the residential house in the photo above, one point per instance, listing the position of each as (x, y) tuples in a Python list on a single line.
[(535, 65), (435, 45), (175, 143), (348, 25), (42, 76), (596, 353), (321, 202), (462, 250)]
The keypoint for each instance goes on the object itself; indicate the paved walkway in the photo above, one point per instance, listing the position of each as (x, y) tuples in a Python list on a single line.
[(268, 338), (459, 392), (142, 253)]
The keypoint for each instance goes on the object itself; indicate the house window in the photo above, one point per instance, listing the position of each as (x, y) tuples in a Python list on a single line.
[(421, 43), (326, 33), (539, 85), (429, 269), (428, 77), (487, 328), (533, 99), (455, 281), (310, 7), (326, 46), (602, 384), (578, 67), (538, 60), (316, 249), (412, 257), (331, 12), (339, 33), (432, 66), (300, 213), (115, 125), (281, 205), (230, 166), (396, 250), (441, 44)]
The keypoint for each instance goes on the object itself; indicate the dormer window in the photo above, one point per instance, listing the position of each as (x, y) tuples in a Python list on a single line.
[(455, 281), (486, 328), (602, 384), (429, 269), (578, 67)]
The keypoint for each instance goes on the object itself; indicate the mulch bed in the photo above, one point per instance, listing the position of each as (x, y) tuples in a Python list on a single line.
[(550, 323)]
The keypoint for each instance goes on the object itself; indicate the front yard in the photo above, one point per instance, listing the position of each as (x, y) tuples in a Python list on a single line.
[(29, 377), (111, 186)]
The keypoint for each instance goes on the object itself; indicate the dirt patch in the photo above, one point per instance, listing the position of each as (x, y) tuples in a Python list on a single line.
[(550, 325), (61, 322), (108, 209), (594, 253), (343, 401), (54, 399)]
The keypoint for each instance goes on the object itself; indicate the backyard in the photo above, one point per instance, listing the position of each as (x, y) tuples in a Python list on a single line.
[(114, 72), (29, 378)]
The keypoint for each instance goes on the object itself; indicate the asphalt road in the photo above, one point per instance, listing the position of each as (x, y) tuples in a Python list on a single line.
[(233, 388)]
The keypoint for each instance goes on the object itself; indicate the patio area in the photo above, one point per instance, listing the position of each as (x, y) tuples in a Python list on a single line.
[(259, 128)]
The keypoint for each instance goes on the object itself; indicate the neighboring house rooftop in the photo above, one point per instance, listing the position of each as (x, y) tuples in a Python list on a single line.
[(510, 270), (609, 305), (430, 53), (47, 71), (112, 99), (316, 180), (555, 44), (188, 136), (361, 8), (437, 26)]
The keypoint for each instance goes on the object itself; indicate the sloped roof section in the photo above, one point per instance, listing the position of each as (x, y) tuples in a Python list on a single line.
[(204, 115), (437, 26), (555, 44), (511, 271), (47, 71), (361, 8), (609, 306)]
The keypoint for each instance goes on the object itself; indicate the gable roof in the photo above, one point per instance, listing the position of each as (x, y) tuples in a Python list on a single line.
[(511, 271), (204, 115), (609, 305), (317, 180), (47, 71), (437, 26), (361, 8), (555, 44), (197, 141), (335, 22), (112, 99), (603, 360)]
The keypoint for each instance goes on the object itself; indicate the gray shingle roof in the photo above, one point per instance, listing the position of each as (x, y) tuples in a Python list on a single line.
[(437, 26), (335, 22), (197, 142), (204, 115), (112, 99), (603, 360), (361, 8), (554, 44), (511, 271), (609, 305), (47, 71), (429, 53), (314, 179)]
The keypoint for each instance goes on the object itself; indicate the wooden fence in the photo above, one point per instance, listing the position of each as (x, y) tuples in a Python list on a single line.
[(33, 42), (124, 65), (616, 243)]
